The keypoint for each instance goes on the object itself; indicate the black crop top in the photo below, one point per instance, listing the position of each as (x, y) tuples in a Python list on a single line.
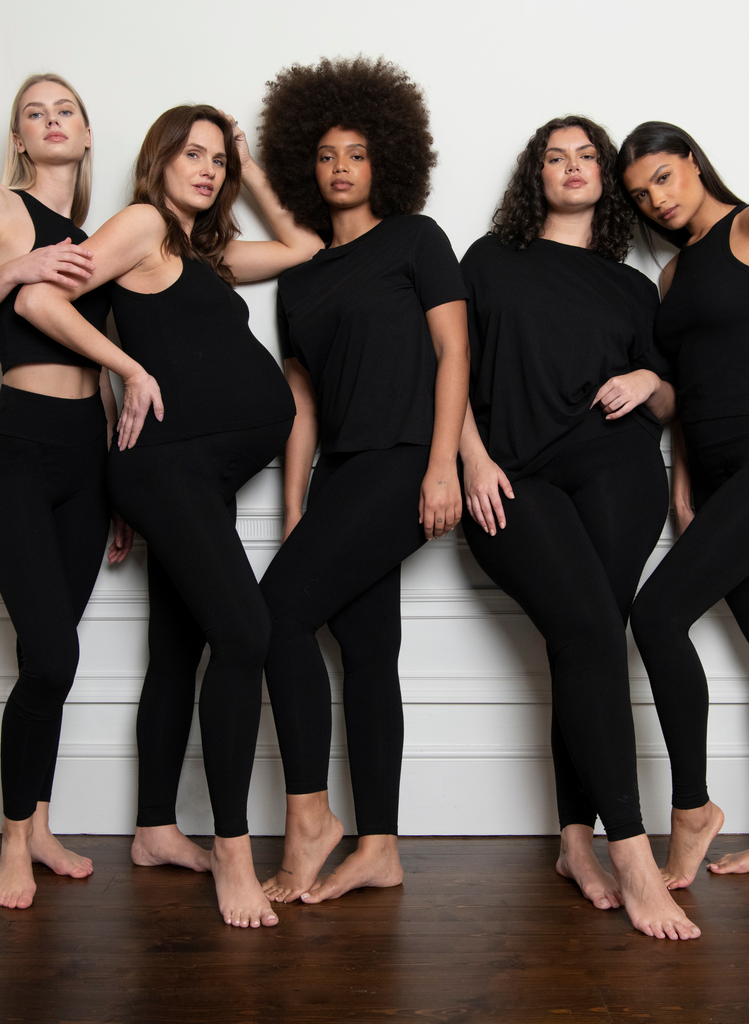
[(549, 325), (703, 328), (194, 338), (354, 317), (20, 341)]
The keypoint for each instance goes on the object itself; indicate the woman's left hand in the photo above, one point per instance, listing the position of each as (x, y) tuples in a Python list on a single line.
[(122, 541), (440, 503), (620, 395), (240, 141)]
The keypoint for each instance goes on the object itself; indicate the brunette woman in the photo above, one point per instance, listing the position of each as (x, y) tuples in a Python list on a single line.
[(226, 412), (54, 408), (567, 401), (702, 327), (376, 347)]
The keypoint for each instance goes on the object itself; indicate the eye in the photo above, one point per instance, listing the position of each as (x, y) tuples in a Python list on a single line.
[(34, 115), (324, 157), (219, 161), (191, 153), (664, 177), (589, 156), (68, 113)]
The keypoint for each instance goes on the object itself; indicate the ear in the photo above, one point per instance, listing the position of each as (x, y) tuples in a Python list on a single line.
[(694, 163), (88, 138), (18, 143)]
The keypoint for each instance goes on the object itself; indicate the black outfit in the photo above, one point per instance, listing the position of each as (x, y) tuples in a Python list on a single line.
[(354, 316), (549, 325), (228, 412), (703, 327), (54, 520)]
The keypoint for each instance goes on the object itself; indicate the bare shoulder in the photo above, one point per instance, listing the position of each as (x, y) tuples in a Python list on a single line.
[(667, 275), (12, 209), (16, 227), (138, 218), (741, 221)]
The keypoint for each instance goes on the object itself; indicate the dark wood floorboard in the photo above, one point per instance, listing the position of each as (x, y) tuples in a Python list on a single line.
[(482, 930)]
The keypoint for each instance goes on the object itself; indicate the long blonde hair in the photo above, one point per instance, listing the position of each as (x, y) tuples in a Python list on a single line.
[(20, 172)]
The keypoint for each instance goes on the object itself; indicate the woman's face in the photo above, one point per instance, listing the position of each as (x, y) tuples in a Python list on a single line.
[(666, 187), (51, 128), (571, 174), (194, 177), (343, 169)]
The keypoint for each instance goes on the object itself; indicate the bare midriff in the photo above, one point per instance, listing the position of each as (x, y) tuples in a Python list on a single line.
[(54, 380)]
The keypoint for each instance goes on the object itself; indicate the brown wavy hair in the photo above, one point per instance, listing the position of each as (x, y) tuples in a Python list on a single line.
[(214, 228), (520, 216), (373, 97), (662, 137)]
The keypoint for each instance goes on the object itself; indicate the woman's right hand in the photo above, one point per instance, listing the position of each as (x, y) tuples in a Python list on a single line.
[(141, 392), (483, 480), (64, 264)]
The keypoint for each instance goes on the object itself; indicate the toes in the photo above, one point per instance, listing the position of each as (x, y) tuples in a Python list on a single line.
[(269, 919)]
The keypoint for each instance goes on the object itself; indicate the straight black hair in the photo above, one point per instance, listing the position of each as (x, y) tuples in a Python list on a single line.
[(662, 137)]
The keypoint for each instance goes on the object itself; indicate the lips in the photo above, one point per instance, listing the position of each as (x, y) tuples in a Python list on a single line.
[(55, 137), (574, 182), (668, 214), (204, 190), (340, 184)]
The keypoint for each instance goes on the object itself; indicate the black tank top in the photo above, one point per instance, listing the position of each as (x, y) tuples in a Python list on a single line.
[(702, 326), (194, 338), (20, 341)]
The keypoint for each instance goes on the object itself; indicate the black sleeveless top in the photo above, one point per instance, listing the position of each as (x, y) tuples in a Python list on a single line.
[(702, 326), (20, 341), (194, 338)]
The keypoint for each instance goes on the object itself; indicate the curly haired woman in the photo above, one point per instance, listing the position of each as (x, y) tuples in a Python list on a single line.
[(567, 399), (376, 345)]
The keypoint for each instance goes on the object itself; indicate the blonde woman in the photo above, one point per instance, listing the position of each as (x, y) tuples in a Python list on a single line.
[(55, 405)]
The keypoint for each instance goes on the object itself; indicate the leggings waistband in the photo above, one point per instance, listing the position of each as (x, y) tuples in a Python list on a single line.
[(58, 422)]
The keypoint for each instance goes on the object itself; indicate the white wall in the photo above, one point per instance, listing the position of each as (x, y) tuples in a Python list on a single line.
[(474, 672)]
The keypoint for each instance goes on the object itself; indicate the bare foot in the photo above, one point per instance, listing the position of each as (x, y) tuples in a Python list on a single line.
[(731, 864), (165, 844), (691, 834), (240, 897), (578, 862), (648, 902), (374, 862), (17, 885), (47, 849), (312, 833)]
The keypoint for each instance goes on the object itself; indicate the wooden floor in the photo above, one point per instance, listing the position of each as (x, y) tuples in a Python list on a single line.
[(481, 930)]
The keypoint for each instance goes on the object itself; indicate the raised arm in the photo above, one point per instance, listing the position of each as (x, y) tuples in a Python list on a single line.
[(64, 263), (124, 242), (301, 446), (255, 261), (440, 503)]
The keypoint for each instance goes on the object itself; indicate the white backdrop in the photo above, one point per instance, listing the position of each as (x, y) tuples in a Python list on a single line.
[(474, 672)]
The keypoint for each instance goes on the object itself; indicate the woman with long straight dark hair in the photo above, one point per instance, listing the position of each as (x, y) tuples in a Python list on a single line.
[(565, 487), (701, 327), (226, 411), (56, 405)]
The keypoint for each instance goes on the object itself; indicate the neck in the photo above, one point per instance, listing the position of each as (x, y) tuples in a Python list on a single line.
[(350, 224), (569, 228), (55, 187), (710, 211), (186, 219)]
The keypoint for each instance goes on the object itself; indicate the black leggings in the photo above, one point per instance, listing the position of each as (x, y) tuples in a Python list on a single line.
[(181, 498), (54, 519), (577, 537), (709, 561), (341, 565)]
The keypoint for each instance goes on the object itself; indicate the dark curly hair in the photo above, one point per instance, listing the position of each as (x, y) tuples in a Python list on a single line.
[(373, 97), (215, 227), (662, 137), (521, 214)]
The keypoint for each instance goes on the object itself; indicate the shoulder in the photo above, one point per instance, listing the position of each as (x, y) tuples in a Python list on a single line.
[(415, 226), (140, 222), (638, 285), (12, 207)]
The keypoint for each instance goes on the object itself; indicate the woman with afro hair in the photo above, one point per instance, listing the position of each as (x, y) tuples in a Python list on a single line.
[(375, 341), (565, 419)]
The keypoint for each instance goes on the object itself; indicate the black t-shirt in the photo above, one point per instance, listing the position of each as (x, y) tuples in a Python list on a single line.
[(549, 325), (354, 318)]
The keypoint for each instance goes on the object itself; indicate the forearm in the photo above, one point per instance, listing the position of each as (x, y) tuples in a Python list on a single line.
[(299, 456), (450, 404), (285, 228), (471, 445), (662, 402), (46, 307), (108, 401), (9, 278), (682, 481)]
